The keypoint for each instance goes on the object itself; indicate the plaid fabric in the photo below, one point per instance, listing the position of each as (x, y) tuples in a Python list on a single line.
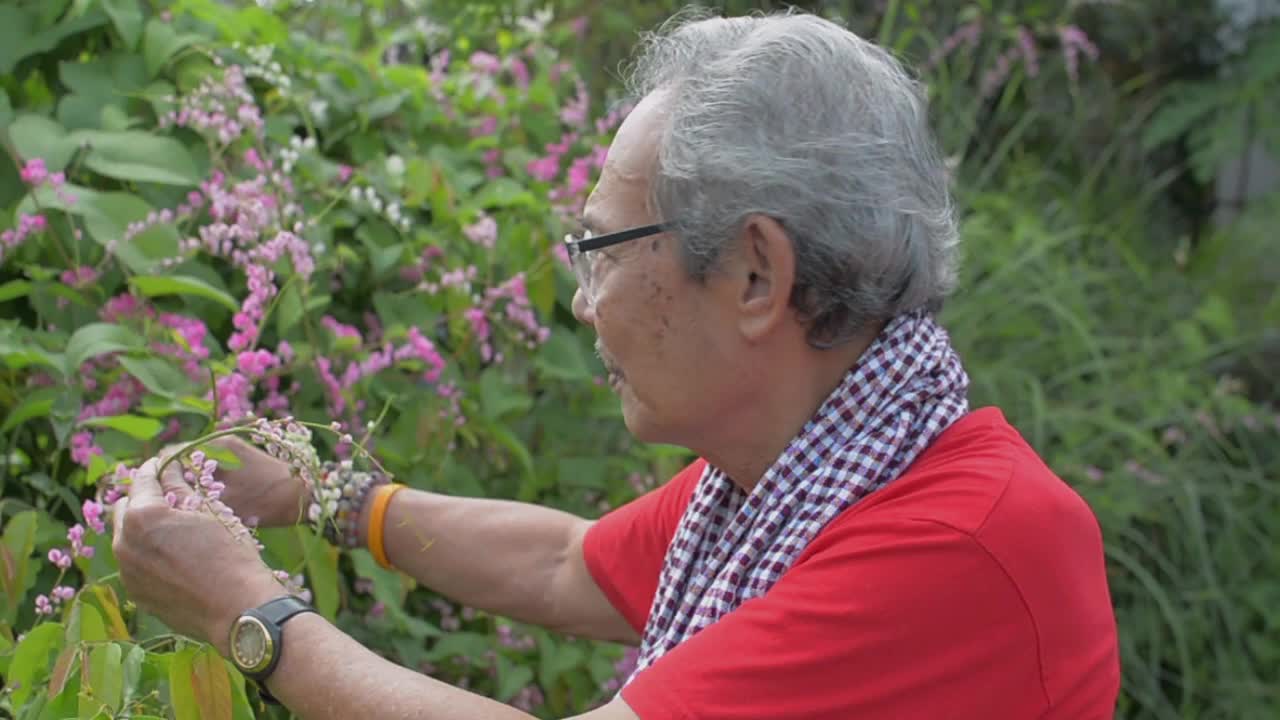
[(730, 546)]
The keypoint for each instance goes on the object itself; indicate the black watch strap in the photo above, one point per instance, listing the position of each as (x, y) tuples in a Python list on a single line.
[(282, 608), (273, 614)]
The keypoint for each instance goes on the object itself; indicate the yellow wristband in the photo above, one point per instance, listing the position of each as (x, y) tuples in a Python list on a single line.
[(377, 520)]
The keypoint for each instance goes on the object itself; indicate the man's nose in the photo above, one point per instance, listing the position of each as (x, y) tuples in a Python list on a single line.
[(582, 309)]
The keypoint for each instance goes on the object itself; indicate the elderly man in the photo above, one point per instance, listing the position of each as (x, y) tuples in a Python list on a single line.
[(766, 246)]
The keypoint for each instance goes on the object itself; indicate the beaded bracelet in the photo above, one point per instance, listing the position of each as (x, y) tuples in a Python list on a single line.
[(337, 500)]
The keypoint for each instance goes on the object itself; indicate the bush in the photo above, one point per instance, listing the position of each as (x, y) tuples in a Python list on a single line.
[(211, 221)]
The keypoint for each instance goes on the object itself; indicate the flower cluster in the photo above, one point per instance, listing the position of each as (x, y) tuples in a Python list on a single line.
[(28, 225), (289, 441), (222, 108), (264, 67), (62, 558), (199, 473), (1074, 42), (290, 155), (367, 197), (417, 348), (36, 174)]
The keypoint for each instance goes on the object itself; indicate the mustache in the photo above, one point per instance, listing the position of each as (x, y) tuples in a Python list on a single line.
[(609, 365)]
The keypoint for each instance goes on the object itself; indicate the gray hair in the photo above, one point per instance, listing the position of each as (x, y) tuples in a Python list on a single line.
[(793, 117)]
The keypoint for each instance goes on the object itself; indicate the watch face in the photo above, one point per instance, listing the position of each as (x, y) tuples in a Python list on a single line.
[(251, 645)]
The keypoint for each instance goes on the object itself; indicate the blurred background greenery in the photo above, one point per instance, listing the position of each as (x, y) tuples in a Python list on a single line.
[(1115, 163)]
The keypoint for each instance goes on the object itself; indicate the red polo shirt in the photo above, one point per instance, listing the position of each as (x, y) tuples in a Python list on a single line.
[(973, 586)]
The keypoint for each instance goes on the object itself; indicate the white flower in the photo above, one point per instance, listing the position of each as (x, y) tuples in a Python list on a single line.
[(395, 164)]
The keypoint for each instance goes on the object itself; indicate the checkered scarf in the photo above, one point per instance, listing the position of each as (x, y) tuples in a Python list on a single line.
[(730, 546)]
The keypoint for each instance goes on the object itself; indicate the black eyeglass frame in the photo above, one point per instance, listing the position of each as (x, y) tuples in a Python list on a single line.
[(598, 242)]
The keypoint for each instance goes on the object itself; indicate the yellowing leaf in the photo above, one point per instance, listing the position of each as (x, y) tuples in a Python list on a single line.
[(182, 693), (212, 685), (62, 670), (109, 604)]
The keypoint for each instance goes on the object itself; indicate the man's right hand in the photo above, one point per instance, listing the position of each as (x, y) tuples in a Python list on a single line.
[(262, 487)]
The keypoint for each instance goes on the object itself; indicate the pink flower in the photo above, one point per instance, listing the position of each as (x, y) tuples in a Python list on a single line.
[(483, 232), (59, 559), (233, 392), (43, 606), (255, 363), (63, 593), (345, 172), (79, 276), (574, 113), (82, 446), (544, 169), (1074, 40), (485, 62), (520, 72), (34, 172), (488, 126)]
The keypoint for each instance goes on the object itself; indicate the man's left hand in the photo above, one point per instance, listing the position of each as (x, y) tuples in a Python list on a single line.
[(184, 566)]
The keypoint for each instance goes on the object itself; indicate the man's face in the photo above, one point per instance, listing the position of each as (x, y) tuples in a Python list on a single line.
[(661, 335)]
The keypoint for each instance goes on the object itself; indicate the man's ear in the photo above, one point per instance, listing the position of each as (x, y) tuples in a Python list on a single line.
[(765, 275)]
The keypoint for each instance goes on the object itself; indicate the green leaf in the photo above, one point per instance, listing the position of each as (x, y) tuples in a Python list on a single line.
[(43, 41), (322, 568), (85, 624), (157, 375), (20, 357), (15, 27), (182, 692), (289, 310), (16, 573), (14, 289), (503, 192), (558, 658), (139, 156), (6, 110), (562, 357), (383, 106), (127, 17), (31, 660), (142, 428), (499, 399), (96, 339), (160, 42), (131, 673), (155, 285), (211, 685), (108, 215), (35, 404), (105, 680), (36, 136), (511, 678)]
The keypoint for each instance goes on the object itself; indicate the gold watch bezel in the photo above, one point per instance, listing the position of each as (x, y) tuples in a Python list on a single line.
[(247, 623)]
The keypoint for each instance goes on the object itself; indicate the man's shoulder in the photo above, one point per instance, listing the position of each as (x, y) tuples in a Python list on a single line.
[(979, 478)]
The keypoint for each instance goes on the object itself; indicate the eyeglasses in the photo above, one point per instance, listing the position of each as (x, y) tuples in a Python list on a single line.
[(584, 263)]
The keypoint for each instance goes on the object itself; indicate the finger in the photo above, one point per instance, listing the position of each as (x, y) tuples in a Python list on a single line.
[(171, 481), (117, 515), (145, 487)]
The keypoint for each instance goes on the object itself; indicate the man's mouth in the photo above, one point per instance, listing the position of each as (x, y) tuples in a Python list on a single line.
[(613, 372)]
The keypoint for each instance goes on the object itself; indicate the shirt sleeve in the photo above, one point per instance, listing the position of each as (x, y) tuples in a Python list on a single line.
[(625, 548), (897, 619)]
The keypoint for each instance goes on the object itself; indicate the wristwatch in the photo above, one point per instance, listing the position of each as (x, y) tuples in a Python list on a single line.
[(256, 640)]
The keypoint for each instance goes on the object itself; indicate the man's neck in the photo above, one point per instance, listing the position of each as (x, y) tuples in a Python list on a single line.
[(755, 434)]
